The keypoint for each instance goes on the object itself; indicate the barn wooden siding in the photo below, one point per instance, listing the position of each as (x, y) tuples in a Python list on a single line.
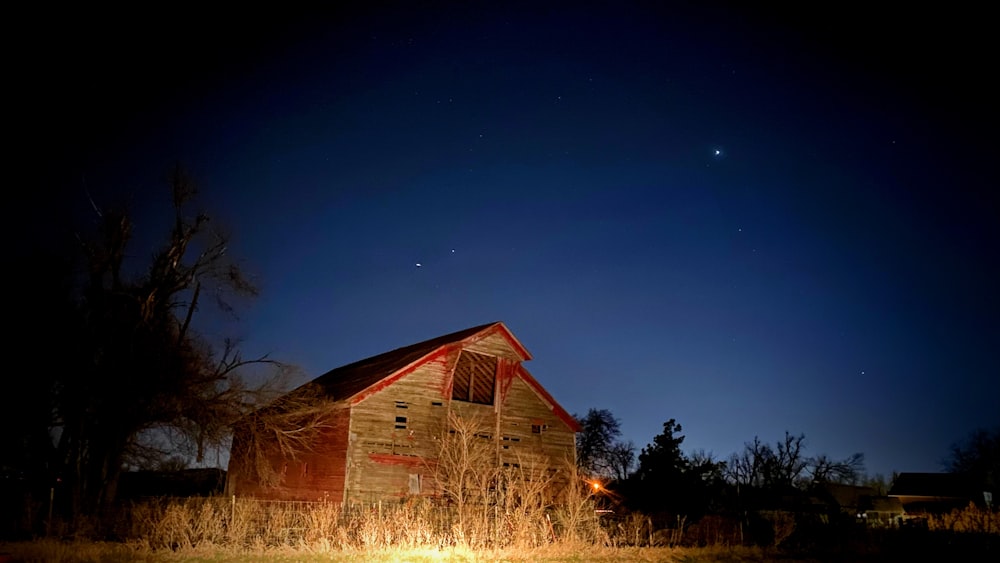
[(383, 441), (393, 434), (314, 476), (391, 458)]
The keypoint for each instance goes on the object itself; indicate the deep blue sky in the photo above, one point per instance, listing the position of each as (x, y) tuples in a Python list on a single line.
[(750, 221)]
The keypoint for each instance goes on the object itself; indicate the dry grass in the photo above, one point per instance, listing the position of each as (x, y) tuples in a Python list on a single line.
[(54, 551), (246, 524), (970, 519), (221, 529)]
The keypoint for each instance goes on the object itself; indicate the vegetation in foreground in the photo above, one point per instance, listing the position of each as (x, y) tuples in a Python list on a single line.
[(73, 552), (218, 529)]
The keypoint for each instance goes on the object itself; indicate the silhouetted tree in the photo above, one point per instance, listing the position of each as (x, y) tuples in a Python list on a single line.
[(761, 466), (663, 457), (596, 444), (133, 380), (707, 476), (878, 483), (662, 482), (848, 471), (622, 458), (978, 456)]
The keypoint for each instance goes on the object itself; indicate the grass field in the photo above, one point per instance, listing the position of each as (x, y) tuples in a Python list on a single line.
[(224, 530), (54, 551)]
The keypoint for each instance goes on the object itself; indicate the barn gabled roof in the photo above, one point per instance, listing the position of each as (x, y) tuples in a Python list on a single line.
[(355, 381), (347, 381)]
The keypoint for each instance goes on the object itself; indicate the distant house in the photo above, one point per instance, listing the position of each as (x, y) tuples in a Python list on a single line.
[(861, 503), (934, 492), (391, 411)]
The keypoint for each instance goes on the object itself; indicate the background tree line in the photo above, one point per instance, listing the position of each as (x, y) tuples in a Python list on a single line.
[(761, 476)]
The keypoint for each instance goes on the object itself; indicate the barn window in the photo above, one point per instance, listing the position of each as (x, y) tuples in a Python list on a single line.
[(414, 483), (475, 378), (539, 428), (509, 439), (401, 405), (400, 423)]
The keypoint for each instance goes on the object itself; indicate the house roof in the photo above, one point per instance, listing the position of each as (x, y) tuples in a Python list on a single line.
[(354, 381), (937, 485)]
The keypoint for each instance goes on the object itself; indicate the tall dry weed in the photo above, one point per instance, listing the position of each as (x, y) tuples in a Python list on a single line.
[(971, 519)]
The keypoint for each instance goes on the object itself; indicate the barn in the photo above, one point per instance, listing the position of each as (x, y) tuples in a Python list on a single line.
[(388, 415)]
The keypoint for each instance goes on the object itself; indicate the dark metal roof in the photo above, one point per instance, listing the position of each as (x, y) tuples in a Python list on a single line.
[(351, 382), (346, 381)]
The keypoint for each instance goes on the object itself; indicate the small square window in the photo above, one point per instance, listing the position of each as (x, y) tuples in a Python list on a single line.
[(400, 422)]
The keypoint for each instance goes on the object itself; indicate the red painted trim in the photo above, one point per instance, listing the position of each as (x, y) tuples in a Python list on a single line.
[(556, 408), (508, 336), (449, 378), (404, 460), (390, 379), (506, 370)]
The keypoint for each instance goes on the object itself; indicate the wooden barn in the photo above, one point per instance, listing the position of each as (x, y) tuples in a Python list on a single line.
[(390, 413)]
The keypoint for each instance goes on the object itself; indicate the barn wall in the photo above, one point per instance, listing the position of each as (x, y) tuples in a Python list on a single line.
[(552, 447), (384, 445), (313, 476), (384, 453)]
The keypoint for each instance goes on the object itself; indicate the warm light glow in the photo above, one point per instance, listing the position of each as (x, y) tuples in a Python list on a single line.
[(596, 485)]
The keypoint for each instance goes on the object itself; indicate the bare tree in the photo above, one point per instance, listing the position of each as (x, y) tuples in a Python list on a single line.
[(848, 471), (621, 460), (760, 465), (287, 428), (596, 441), (788, 462), (704, 465), (746, 468), (141, 381), (878, 483), (978, 456)]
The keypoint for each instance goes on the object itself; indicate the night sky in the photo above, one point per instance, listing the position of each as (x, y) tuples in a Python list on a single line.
[(748, 220)]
